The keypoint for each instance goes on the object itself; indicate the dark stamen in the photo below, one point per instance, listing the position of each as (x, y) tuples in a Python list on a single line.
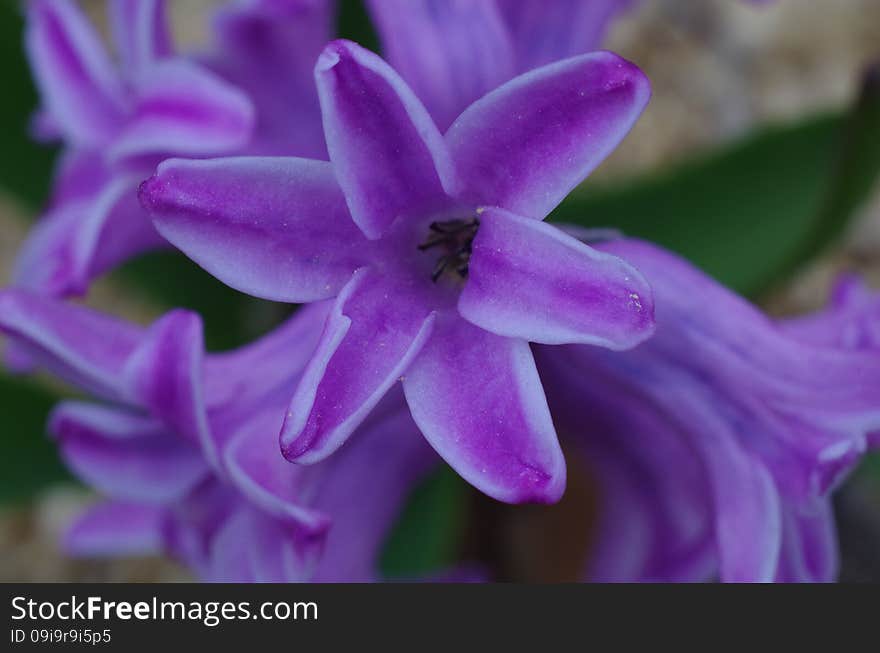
[(456, 237)]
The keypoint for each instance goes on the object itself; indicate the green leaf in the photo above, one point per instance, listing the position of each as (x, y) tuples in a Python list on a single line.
[(750, 214), (28, 458), (25, 166), (426, 537), (353, 23)]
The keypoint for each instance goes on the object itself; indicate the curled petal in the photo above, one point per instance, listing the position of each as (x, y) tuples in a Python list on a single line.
[(82, 346), (276, 228), (124, 455), (479, 402), (527, 144), (374, 331), (529, 280), (181, 108), (77, 82), (165, 375), (388, 155)]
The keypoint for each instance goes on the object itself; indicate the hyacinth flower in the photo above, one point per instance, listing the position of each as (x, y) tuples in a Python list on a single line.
[(116, 120), (434, 249), (719, 441), (184, 446), (268, 48), (452, 52)]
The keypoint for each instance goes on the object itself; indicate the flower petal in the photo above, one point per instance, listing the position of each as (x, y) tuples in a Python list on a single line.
[(268, 49), (181, 108), (276, 228), (381, 466), (116, 528), (140, 30), (450, 53), (545, 32), (388, 155), (809, 545), (82, 346), (125, 455), (478, 400), (530, 280), (527, 144), (809, 410), (77, 242), (373, 333), (77, 82), (165, 375)]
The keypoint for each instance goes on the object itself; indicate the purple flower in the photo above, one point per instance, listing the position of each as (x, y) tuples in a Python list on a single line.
[(185, 447), (434, 249), (116, 122), (718, 441), (452, 52)]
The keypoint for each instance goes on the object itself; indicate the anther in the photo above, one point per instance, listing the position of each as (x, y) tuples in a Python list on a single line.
[(456, 237)]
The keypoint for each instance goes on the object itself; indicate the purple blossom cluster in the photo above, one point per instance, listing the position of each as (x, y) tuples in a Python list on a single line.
[(401, 202)]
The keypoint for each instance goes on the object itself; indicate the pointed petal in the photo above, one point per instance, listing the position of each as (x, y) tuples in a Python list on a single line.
[(450, 53), (545, 32), (527, 144), (276, 228), (529, 280), (125, 455), (182, 109), (116, 528), (478, 400), (140, 30), (77, 242), (388, 156), (373, 333), (76, 79), (81, 346), (165, 376)]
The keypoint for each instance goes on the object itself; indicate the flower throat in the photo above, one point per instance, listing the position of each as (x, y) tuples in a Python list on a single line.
[(455, 238)]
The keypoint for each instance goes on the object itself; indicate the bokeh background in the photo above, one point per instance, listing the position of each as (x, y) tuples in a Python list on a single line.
[(757, 158)]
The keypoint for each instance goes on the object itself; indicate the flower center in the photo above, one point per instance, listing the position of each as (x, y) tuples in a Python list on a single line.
[(455, 238)]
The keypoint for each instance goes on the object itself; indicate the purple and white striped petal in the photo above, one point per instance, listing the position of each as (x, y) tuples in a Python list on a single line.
[(527, 144), (374, 331), (388, 155), (529, 280), (479, 402), (276, 228)]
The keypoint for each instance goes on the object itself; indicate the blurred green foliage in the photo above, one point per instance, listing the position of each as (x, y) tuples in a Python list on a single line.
[(25, 166), (429, 530), (28, 458)]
